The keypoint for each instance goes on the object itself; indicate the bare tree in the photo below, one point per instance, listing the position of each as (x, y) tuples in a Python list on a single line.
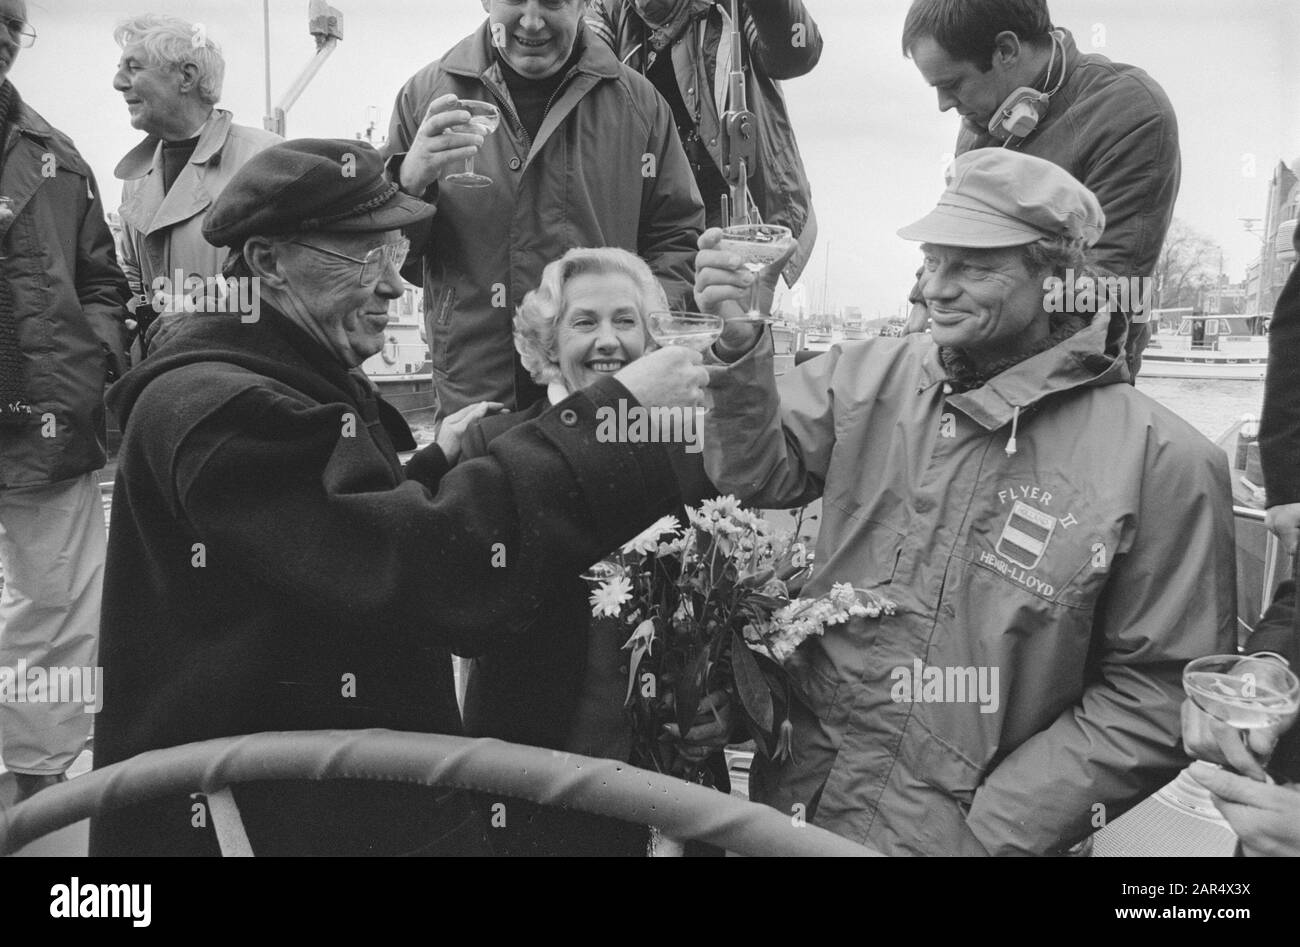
[(1188, 264)]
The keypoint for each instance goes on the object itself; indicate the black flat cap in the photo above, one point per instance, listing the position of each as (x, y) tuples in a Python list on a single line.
[(306, 185)]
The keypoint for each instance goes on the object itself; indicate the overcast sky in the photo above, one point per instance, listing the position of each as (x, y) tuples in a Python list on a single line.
[(871, 135)]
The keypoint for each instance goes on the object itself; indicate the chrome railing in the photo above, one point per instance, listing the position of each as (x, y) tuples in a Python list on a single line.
[(1275, 559)]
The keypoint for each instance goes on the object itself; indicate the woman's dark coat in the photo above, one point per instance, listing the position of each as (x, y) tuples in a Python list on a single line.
[(528, 692)]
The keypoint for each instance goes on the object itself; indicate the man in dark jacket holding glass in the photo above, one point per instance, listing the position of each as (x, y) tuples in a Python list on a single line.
[(586, 155), (272, 565)]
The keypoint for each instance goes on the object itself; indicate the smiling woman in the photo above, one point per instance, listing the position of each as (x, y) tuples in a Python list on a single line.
[(587, 318), (564, 686)]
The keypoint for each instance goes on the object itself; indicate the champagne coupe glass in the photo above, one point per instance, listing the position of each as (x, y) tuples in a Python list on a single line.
[(1242, 691), (484, 119), (695, 330), (759, 245), (601, 571)]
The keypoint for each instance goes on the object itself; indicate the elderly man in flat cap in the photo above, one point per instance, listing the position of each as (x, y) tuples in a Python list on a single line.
[(271, 565), (1057, 543)]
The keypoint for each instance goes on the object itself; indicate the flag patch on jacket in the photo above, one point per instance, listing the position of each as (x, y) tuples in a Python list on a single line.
[(1025, 536)]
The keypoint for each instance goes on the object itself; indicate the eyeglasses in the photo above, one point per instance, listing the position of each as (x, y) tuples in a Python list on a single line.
[(23, 34), (376, 262)]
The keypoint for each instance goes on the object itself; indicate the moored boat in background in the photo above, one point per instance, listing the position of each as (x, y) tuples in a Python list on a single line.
[(401, 370), (1212, 347)]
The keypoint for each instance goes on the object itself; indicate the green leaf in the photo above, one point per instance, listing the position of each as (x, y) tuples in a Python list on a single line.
[(751, 686), (690, 690), (639, 643)]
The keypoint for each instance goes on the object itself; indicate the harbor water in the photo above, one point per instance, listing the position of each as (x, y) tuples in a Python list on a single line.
[(1209, 405)]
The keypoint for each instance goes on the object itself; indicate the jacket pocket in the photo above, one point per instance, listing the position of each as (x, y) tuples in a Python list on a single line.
[(938, 763), (817, 683), (940, 782)]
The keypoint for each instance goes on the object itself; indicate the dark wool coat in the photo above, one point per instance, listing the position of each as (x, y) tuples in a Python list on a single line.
[(270, 568), (528, 692), (562, 685)]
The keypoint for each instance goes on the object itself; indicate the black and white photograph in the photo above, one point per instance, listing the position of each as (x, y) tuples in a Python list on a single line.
[(650, 428)]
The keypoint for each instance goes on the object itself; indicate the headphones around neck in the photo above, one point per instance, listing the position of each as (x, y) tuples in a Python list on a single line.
[(1024, 108)]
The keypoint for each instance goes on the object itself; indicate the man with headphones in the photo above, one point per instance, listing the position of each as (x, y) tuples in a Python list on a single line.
[(1020, 83)]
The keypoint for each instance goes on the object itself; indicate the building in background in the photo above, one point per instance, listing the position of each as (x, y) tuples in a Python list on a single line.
[(1277, 256)]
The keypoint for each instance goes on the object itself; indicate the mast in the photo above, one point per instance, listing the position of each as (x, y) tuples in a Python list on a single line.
[(266, 34), (739, 131), (326, 26), (826, 281)]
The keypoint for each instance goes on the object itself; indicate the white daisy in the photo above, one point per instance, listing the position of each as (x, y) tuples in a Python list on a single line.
[(609, 598)]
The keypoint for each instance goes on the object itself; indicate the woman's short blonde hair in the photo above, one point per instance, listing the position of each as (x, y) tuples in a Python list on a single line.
[(538, 316)]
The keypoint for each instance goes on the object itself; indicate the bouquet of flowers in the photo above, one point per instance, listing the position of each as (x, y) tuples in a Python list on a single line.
[(709, 611)]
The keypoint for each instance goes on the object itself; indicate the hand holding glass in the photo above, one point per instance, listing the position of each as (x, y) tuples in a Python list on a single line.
[(484, 119), (695, 330), (759, 246), (1244, 692)]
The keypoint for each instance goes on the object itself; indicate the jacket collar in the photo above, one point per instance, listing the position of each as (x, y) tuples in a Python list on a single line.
[(1060, 101), (667, 21), (473, 57), (140, 159), (1092, 357), (31, 124), (30, 138)]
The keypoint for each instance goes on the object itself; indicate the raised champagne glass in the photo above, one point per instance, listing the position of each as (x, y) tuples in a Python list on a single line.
[(695, 330), (759, 246), (484, 119), (601, 571)]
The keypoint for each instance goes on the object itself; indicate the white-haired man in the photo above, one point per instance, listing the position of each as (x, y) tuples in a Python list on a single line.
[(170, 74)]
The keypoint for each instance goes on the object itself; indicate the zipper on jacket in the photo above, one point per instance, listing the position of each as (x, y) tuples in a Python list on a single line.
[(510, 108)]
